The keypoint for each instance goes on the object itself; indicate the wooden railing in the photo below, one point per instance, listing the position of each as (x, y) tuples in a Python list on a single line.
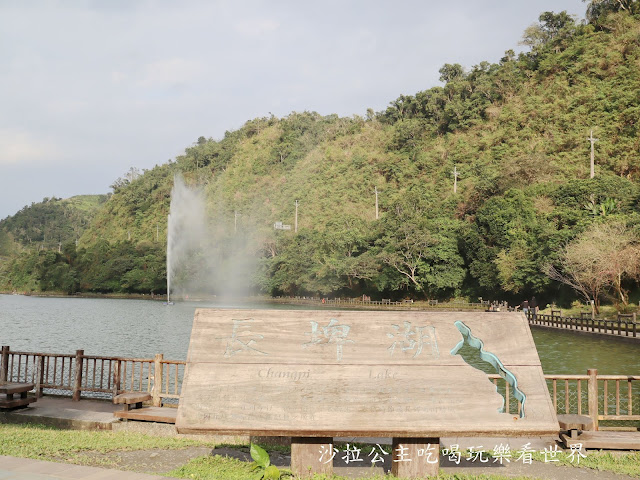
[(511, 404), (96, 375), (385, 302), (623, 326), (602, 397)]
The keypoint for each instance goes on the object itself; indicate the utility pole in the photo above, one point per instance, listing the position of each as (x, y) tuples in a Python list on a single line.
[(296, 223), (235, 221), (455, 179), (157, 232), (376, 190), (592, 140)]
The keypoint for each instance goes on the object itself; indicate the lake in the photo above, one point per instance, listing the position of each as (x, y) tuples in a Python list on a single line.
[(142, 328)]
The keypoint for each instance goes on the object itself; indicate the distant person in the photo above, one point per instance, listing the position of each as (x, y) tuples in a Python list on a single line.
[(525, 307), (533, 305)]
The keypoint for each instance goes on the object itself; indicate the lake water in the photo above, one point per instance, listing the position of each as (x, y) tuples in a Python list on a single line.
[(142, 328)]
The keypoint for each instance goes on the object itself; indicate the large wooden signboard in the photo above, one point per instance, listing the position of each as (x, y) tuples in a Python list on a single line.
[(343, 373)]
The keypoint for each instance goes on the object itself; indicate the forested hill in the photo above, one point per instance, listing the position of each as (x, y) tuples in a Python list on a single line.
[(48, 224), (516, 133)]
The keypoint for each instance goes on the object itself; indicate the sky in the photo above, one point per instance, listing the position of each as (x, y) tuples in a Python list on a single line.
[(91, 88)]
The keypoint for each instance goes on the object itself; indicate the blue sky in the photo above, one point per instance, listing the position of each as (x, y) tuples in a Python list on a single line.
[(91, 88)]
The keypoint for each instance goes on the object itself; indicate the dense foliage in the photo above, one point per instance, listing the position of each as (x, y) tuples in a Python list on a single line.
[(48, 224), (516, 133)]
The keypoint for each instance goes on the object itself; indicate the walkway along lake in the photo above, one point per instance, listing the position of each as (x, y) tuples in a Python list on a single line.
[(141, 328)]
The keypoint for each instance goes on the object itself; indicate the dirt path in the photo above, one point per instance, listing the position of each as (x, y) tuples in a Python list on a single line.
[(162, 461), (157, 461), (144, 461)]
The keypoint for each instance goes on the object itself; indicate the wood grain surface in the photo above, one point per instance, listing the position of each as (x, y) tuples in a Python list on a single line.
[(334, 373)]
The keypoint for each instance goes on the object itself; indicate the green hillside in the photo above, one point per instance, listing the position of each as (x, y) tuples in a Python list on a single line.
[(516, 132), (41, 227), (47, 224)]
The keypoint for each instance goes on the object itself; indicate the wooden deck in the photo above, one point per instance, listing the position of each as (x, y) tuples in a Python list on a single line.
[(604, 440), (623, 328), (149, 414)]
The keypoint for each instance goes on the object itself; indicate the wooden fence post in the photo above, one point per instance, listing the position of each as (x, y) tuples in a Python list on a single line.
[(115, 383), (77, 384), (157, 380), (40, 377), (4, 371), (592, 395)]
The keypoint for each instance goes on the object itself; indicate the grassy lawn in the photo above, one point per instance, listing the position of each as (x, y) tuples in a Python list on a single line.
[(47, 443), (221, 468), (73, 446), (624, 463)]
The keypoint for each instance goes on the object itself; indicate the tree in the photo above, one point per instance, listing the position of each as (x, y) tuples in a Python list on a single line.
[(598, 9), (300, 267), (421, 251), (551, 26), (450, 73), (406, 250), (344, 246), (599, 260), (132, 174), (622, 257), (7, 245), (506, 243)]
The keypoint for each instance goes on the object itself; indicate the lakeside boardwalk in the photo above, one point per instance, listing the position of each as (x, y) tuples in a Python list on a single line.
[(624, 327), (570, 394)]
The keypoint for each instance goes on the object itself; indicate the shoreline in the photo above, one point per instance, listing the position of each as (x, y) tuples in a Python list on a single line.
[(340, 304), (120, 296)]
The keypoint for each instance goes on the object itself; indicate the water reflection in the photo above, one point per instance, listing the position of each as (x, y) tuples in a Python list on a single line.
[(110, 327), (570, 353)]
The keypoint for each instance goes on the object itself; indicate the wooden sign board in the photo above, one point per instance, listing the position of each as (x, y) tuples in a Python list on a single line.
[(344, 373)]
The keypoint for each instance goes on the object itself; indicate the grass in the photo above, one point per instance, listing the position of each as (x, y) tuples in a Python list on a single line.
[(284, 449), (621, 463), (75, 446), (223, 468), (215, 467), (219, 468), (48, 443)]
